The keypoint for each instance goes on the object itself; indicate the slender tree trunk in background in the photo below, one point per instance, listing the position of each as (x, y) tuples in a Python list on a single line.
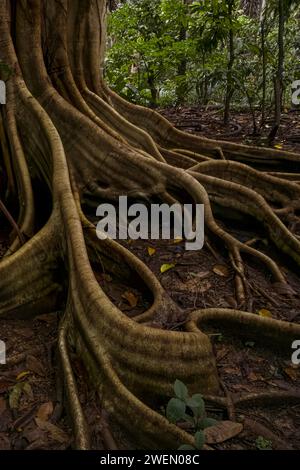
[(278, 80), (181, 72), (252, 112), (264, 71), (229, 84), (205, 82), (182, 68), (84, 145), (153, 89)]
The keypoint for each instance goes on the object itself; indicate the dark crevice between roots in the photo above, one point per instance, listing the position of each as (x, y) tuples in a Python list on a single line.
[(9, 198)]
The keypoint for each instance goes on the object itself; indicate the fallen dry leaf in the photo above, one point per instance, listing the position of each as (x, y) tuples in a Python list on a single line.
[(25, 418), (151, 251), (32, 434), (131, 298), (221, 270), (194, 285), (54, 431), (47, 317), (253, 377), (45, 411), (33, 364), (25, 332), (201, 275), (222, 432), (292, 372), (39, 444)]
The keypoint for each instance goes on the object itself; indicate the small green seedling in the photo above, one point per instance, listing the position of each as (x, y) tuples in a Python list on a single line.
[(191, 410), (263, 444)]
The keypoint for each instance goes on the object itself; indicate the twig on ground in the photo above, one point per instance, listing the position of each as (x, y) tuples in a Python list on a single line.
[(12, 222)]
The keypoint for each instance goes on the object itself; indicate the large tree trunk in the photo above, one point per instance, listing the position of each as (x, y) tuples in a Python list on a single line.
[(83, 143)]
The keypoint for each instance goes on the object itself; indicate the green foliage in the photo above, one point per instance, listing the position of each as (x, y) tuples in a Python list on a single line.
[(263, 444), (181, 390), (146, 47), (191, 410), (175, 410), (165, 52)]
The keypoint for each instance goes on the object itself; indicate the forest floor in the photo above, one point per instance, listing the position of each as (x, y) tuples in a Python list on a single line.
[(209, 123), (32, 413)]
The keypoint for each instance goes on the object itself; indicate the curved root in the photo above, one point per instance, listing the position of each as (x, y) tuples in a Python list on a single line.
[(84, 144)]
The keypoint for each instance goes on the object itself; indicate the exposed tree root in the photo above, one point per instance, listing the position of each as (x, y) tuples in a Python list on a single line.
[(84, 144), (265, 330), (271, 399)]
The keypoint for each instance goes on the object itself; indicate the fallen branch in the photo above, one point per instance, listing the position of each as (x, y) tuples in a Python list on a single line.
[(12, 222)]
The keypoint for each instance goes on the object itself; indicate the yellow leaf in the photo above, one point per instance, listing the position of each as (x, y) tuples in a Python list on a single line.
[(265, 313), (221, 270), (165, 267), (23, 374), (151, 250), (278, 146), (177, 240), (131, 298)]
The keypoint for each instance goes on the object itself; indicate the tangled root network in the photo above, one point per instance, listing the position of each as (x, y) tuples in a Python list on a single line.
[(69, 137)]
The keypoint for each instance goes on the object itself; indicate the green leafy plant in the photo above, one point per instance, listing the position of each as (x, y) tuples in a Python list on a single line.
[(191, 410), (263, 444)]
